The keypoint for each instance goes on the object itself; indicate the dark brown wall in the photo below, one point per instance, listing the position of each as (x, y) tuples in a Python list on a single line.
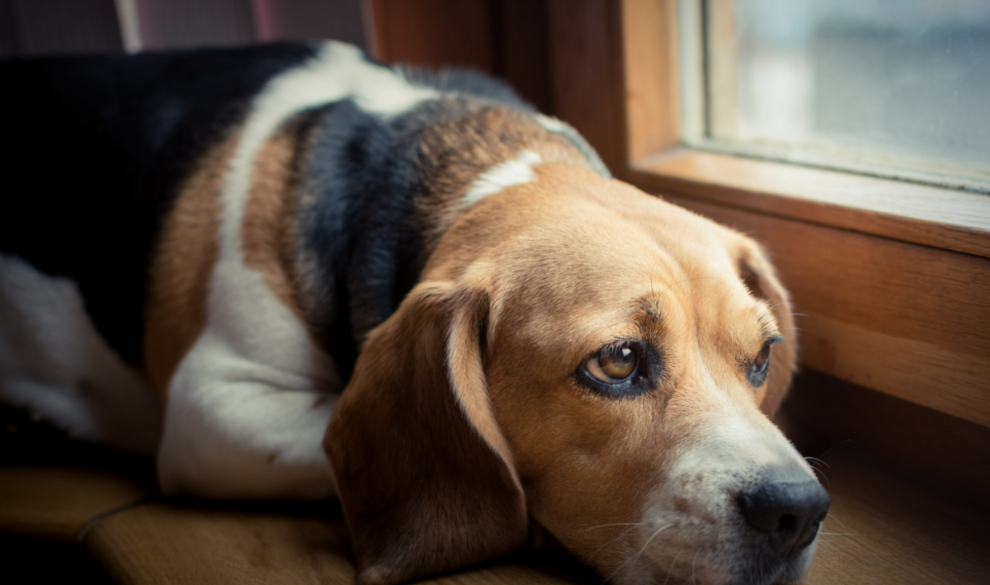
[(506, 38), (50, 27)]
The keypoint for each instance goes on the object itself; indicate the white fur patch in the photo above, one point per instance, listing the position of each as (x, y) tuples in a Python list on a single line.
[(511, 172), (55, 363), (248, 405)]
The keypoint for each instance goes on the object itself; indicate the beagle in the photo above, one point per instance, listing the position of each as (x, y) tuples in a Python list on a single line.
[(290, 272)]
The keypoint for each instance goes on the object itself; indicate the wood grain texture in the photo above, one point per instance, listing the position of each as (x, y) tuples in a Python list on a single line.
[(167, 543), (908, 320), (884, 529), (942, 218), (649, 41), (523, 52), (433, 32), (162, 543), (585, 56), (822, 413), (504, 38), (55, 503)]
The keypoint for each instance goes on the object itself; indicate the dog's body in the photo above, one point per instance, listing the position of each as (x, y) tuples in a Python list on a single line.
[(242, 224)]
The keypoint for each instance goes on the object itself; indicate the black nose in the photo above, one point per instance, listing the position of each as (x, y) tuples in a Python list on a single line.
[(788, 506)]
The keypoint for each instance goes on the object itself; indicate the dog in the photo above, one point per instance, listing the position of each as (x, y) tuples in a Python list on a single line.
[(291, 272)]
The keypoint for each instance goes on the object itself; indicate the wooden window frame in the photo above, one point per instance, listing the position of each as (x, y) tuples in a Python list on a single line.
[(892, 278)]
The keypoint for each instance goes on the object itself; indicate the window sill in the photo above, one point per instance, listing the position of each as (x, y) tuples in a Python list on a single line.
[(920, 214)]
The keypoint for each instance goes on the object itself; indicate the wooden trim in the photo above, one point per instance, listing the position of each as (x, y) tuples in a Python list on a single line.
[(586, 63), (375, 25), (434, 33), (720, 46), (942, 218), (651, 76)]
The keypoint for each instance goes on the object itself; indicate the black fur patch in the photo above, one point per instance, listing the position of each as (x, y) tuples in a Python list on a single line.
[(100, 145), (96, 148), (363, 229)]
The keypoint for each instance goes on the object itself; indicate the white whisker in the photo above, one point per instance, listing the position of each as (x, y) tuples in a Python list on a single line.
[(836, 519), (672, 563), (636, 556)]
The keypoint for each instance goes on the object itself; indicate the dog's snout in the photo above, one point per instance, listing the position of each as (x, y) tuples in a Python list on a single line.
[(788, 506)]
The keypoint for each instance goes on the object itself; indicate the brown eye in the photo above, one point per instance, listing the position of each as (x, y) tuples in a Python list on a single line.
[(614, 365), (758, 371), (762, 358)]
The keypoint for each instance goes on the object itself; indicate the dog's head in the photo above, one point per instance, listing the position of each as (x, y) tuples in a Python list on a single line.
[(589, 358)]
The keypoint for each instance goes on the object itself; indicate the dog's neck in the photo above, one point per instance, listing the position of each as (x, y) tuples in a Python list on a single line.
[(375, 195)]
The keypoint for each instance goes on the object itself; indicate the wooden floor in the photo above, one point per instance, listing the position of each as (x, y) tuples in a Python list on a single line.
[(882, 529)]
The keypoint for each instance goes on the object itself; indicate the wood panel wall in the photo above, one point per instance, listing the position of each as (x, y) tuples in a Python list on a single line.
[(505, 38), (54, 27)]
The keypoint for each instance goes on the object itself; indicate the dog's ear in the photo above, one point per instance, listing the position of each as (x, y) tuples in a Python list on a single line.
[(761, 278), (425, 477)]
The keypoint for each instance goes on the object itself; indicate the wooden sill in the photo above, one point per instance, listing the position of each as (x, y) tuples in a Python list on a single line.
[(920, 214)]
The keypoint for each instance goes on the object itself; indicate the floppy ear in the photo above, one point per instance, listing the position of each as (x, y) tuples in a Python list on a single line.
[(425, 477), (760, 277)]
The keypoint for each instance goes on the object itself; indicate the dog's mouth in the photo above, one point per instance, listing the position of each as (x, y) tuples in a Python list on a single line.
[(717, 531)]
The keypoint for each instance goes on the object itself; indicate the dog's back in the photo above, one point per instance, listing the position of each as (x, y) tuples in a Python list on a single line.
[(103, 149)]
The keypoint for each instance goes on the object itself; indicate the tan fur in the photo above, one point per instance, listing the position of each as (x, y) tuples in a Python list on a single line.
[(555, 269), (182, 265), (269, 236), (422, 490), (455, 152)]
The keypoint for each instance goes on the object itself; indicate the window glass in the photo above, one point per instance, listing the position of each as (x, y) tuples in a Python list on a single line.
[(869, 84)]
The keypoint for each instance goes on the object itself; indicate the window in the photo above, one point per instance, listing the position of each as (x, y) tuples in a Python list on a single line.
[(893, 88)]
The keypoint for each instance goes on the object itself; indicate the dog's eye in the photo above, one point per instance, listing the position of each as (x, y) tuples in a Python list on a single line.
[(613, 365), (758, 371), (622, 369)]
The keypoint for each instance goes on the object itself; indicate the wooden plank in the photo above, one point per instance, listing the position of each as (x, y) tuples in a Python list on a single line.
[(433, 32), (307, 543), (585, 56), (649, 40), (722, 95), (822, 413), (943, 218), (883, 528), (55, 503), (524, 50), (907, 320)]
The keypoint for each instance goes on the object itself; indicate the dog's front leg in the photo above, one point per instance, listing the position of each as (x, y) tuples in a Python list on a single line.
[(239, 429)]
